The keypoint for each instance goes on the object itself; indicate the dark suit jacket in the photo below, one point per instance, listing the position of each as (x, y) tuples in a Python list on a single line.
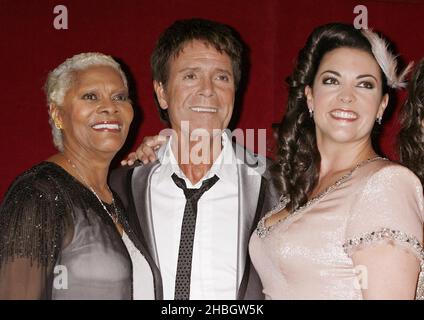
[(256, 196)]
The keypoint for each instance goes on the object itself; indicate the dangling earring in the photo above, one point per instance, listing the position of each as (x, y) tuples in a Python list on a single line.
[(379, 119), (311, 113)]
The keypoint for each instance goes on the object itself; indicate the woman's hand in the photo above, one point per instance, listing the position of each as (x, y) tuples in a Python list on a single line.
[(146, 151)]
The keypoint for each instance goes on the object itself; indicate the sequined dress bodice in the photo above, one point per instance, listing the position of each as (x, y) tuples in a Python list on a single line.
[(308, 254), (58, 233)]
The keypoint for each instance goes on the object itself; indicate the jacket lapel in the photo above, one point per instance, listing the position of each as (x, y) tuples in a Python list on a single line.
[(248, 197), (140, 186), (250, 182)]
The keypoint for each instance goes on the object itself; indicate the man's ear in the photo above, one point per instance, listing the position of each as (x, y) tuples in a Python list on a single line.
[(309, 98), (160, 94)]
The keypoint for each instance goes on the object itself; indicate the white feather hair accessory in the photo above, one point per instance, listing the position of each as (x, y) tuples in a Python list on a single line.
[(387, 60)]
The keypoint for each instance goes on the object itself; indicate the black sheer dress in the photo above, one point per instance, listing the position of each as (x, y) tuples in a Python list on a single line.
[(58, 242)]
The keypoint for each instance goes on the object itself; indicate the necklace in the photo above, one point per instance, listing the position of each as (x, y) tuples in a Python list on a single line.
[(262, 231), (114, 216)]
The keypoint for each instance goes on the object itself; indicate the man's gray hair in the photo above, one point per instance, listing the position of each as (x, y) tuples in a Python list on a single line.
[(60, 80)]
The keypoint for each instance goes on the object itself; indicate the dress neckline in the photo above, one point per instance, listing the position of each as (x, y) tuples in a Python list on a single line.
[(262, 231), (70, 177)]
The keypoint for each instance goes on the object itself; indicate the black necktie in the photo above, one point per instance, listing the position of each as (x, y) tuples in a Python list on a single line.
[(185, 253)]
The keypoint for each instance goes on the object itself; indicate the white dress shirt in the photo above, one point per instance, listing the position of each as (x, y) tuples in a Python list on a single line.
[(143, 283), (214, 264)]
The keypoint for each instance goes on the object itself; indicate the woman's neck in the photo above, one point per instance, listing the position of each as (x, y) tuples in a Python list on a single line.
[(341, 157), (89, 170)]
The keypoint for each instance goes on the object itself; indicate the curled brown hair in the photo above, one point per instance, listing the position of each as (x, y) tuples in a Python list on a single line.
[(411, 134)]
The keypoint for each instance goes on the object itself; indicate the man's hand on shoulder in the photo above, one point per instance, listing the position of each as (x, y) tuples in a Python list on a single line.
[(146, 151)]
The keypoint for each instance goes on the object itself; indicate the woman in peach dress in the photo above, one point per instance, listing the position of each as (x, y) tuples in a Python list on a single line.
[(350, 222)]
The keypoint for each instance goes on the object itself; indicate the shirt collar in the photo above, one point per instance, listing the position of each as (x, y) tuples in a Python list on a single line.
[(224, 166)]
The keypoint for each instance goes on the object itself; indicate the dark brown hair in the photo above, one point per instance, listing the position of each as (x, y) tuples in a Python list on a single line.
[(411, 135), (172, 41)]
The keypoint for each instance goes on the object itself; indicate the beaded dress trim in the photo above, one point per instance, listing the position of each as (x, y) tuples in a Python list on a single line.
[(399, 237)]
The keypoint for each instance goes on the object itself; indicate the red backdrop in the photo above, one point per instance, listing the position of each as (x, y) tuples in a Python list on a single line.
[(127, 29)]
